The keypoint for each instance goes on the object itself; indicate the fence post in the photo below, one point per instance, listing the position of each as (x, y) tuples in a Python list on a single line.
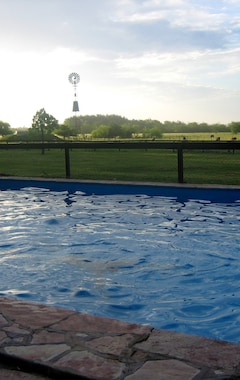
[(180, 164), (67, 162)]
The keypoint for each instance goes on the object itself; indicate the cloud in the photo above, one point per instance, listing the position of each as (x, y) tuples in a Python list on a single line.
[(117, 26), (49, 23), (181, 13), (135, 57), (178, 24), (192, 67)]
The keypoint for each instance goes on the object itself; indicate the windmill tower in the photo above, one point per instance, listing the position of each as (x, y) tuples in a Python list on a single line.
[(74, 79)]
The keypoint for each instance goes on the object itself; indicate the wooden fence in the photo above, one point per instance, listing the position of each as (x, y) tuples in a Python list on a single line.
[(178, 146)]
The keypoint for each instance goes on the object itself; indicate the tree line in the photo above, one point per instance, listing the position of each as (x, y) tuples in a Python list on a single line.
[(46, 127)]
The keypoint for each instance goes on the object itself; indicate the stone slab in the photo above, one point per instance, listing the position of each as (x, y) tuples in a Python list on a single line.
[(87, 364), (164, 370), (88, 323), (42, 353), (10, 374), (210, 352), (30, 314), (113, 345)]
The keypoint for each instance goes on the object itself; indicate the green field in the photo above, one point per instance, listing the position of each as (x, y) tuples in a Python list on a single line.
[(213, 167), (199, 136)]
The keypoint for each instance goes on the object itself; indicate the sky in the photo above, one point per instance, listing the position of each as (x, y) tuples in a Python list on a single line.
[(141, 59)]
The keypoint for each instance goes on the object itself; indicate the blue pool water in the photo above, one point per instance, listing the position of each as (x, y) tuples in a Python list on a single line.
[(162, 256)]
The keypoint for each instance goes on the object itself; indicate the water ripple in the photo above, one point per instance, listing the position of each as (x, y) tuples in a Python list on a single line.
[(146, 259)]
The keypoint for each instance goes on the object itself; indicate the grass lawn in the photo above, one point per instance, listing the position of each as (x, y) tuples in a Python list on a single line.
[(129, 165), (213, 167), (32, 163)]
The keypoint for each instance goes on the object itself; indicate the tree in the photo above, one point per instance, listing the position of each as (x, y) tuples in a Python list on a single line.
[(65, 131), (75, 124), (5, 128), (101, 132), (235, 127), (44, 123), (155, 132), (127, 130), (114, 130)]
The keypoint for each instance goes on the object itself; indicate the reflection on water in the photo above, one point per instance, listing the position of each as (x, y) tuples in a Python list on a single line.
[(147, 259)]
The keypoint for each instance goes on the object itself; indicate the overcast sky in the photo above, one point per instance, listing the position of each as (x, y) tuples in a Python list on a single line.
[(157, 59)]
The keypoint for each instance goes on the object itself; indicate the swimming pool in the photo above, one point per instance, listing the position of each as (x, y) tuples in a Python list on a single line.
[(160, 255)]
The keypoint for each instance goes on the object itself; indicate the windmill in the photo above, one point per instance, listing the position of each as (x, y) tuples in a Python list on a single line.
[(74, 79)]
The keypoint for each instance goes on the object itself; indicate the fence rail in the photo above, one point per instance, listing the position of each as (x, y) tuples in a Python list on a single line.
[(180, 147)]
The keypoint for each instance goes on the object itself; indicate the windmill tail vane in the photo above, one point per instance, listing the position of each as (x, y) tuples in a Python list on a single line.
[(75, 106)]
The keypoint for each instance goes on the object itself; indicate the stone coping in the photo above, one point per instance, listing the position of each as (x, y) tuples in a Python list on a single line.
[(65, 344)]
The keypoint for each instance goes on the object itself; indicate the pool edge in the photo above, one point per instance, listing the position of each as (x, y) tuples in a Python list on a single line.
[(54, 341), (118, 182)]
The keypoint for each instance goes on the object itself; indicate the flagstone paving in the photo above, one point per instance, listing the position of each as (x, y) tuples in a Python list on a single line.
[(40, 342)]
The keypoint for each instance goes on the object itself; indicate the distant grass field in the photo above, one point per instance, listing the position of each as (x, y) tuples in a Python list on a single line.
[(199, 136), (213, 167)]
